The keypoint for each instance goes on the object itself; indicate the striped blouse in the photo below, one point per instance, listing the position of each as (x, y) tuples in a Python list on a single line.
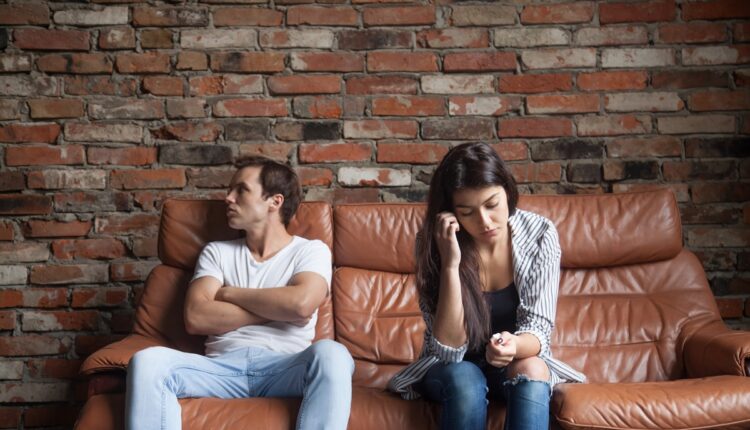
[(536, 273)]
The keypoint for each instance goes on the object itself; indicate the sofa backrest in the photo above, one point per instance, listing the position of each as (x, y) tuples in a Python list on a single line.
[(627, 286), (186, 227)]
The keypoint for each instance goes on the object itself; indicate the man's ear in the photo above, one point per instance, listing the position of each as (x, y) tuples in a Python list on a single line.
[(277, 200)]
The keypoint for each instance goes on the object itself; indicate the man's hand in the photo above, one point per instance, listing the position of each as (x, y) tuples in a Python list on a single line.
[(205, 314), (501, 349)]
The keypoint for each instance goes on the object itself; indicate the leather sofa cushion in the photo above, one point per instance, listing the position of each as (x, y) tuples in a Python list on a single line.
[(595, 230), (719, 402)]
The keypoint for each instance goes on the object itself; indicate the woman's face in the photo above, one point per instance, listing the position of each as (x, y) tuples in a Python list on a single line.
[(482, 212)]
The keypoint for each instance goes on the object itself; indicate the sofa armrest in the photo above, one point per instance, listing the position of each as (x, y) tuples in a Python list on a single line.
[(713, 349), (116, 356)]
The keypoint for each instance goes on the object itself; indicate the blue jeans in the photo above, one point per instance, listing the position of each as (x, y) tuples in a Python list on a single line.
[(462, 389), (321, 375)]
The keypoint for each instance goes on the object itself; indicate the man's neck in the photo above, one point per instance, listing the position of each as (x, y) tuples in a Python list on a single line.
[(265, 241)]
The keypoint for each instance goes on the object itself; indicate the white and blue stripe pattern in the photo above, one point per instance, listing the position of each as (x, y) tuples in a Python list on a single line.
[(536, 265)]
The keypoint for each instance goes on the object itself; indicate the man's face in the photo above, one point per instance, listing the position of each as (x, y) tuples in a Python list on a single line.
[(246, 206)]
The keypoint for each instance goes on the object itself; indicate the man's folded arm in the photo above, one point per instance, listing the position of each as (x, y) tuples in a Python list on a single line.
[(206, 315), (296, 301)]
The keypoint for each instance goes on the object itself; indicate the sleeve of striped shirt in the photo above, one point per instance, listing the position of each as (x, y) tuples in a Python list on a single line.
[(445, 353), (538, 297)]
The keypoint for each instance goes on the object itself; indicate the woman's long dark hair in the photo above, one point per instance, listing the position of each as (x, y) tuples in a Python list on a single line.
[(470, 165)]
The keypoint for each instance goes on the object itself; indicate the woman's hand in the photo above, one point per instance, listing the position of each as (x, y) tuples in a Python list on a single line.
[(501, 349), (446, 227)]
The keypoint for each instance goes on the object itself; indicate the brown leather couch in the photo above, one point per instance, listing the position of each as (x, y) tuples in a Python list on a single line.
[(635, 314)]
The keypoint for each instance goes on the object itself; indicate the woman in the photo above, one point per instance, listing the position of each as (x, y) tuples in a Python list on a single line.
[(488, 275)]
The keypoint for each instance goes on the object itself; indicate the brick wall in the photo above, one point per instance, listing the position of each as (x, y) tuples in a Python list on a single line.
[(106, 109)]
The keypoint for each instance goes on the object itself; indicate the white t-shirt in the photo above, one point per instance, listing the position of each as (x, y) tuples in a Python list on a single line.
[(232, 263)]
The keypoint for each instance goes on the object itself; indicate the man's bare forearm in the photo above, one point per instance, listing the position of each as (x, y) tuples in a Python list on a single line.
[(216, 317), (275, 304)]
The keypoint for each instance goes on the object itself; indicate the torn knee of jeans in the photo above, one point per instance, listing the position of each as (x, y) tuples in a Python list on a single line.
[(521, 377)]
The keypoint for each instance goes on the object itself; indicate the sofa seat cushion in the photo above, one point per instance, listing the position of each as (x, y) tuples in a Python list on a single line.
[(372, 409), (715, 402)]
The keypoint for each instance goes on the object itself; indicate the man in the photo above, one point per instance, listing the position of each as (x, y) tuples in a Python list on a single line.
[(256, 299)]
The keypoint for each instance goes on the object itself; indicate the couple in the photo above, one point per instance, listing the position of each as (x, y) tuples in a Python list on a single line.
[(487, 274)]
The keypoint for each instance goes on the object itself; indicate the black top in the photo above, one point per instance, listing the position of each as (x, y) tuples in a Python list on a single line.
[(502, 304)]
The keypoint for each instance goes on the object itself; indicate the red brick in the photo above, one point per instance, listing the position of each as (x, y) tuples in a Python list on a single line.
[(317, 84), (6, 231), (55, 108), (703, 170), (719, 100), (327, 62), (483, 105), (407, 15), (10, 417), (160, 38), (535, 127), (573, 103), (24, 345), (536, 83), (130, 156), (612, 80), (381, 85), (89, 297), (7, 320), (680, 79), (43, 155), (719, 192), (75, 63), (660, 146), (311, 176), (567, 13), (479, 61), (742, 32), (510, 150), (191, 60), (536, 172), (26, 204), (51, 40), (413, 153), (317, 107), (408, 106), (648, 11), (58, 368), (691, 33), (385, 61), (11, 298), (149, 62), (188, 132), (148, 178), (60, 320), (100, 85), (453, 38), (145, 224), (730, 307), (104, 248), (613, 125), (21, 133), (716, 9), (68, 274), (250, 16), (277, 151), (742, 78), (250, 107), (206, 85), (253, 62), (163, 85), (43, 228), (133, 271), (334, 152), (117, 38), (316, 15), (24, 14), (379, 129)]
